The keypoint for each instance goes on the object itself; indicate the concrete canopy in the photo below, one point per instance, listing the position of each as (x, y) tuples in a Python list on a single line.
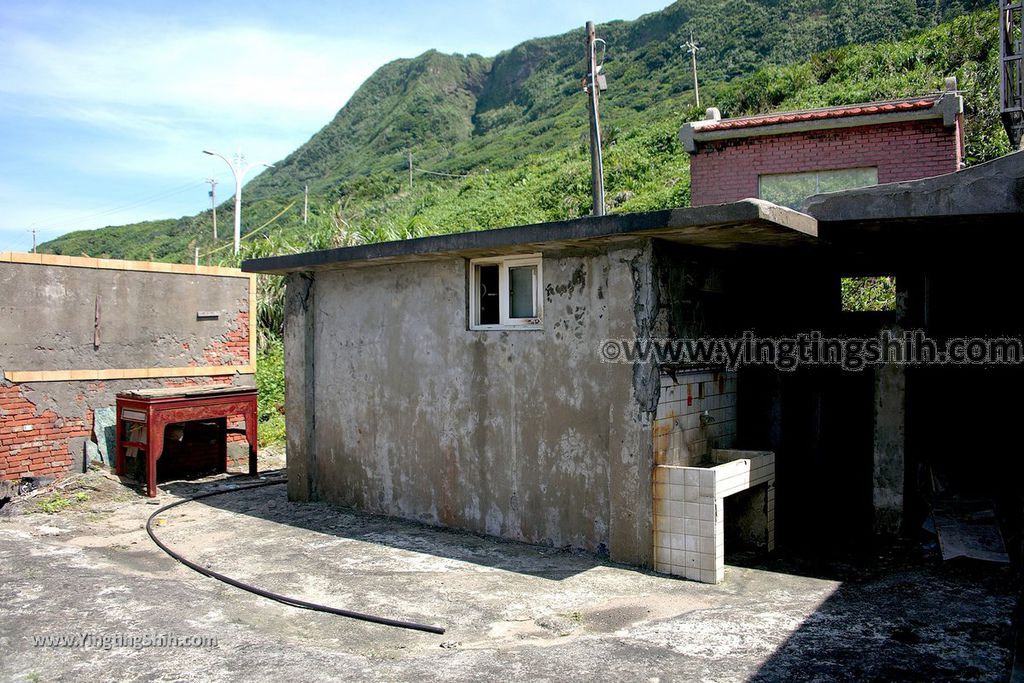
[(987, 197), (746, 223)]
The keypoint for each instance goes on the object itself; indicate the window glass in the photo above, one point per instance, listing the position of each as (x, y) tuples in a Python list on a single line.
[(489, 313), (520, 291), (791, 189), (833, 181), (505, 292)]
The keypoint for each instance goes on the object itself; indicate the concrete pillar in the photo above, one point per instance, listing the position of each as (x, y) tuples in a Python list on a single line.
[(890, 423), (889, 448), (299, 387)]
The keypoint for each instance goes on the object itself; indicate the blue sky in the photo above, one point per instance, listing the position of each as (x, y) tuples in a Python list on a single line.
[(105, 107)]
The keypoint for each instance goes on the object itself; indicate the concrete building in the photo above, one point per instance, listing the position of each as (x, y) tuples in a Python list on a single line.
[(411, 393), (469, 381)]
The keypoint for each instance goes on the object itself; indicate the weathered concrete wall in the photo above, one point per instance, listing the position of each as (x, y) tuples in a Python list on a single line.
[(300, 389), (521, 434), (146, 320), (889, 447)]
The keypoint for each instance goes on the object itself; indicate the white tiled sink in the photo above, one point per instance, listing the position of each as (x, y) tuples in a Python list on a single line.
[(689, 529)]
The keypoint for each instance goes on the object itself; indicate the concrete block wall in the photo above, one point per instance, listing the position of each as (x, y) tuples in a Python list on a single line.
[(53, 375), (398, 408), (679, 437), (728, 170)]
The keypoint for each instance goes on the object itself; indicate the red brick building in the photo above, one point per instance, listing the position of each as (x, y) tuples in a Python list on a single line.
[(787, 157)]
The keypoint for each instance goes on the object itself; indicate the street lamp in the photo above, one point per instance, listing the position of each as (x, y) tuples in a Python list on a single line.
[(238, 169)]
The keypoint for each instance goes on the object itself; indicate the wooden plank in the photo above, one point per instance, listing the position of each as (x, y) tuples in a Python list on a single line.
[(29, 376), (186, 391), (117, 264)]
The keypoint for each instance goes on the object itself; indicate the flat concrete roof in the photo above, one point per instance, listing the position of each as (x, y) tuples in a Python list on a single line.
[(990, 189), (746, 223), (974, 212)]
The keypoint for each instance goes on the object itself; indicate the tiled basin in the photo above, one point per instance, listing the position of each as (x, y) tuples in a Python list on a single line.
[(689, 525)]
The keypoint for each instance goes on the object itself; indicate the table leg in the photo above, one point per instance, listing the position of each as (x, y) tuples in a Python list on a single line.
[(250, 436), (222, 443), (154, 448), (119, 427)]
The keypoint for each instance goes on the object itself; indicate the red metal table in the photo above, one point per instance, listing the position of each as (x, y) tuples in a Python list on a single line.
[(152, 410)]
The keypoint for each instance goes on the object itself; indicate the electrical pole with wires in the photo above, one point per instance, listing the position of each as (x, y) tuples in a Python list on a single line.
[(33, 231), (692, 46), (213, 201), (305, 205), (593, 84), (410, 171)]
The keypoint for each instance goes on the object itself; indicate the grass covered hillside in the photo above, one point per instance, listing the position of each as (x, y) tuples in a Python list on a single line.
[(502, 141)]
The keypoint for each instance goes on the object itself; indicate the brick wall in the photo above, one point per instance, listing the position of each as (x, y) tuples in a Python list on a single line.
[(35, 442), (727, 170), (56, 306)]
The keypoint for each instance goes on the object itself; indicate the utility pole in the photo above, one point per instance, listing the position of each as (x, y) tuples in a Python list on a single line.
[(691, 46), (593, 83), (33, 240), (305, 205), (410, 170), (213, 202)]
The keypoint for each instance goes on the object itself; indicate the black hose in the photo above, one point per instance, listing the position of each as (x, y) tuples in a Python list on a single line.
[(284, 599)]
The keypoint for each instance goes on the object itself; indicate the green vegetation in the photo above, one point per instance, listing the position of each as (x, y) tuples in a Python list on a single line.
[(57, 502), (270, 383), (868, 293), (502, 141)]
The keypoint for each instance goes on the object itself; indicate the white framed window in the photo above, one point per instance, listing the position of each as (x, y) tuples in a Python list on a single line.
[(505, 293)]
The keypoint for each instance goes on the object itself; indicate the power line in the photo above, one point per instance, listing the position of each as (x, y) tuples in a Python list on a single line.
[(68, 224), (255, 231), (446, 175)]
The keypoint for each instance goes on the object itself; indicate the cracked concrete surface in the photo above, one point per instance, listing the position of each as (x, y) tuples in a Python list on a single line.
[(512, 611)]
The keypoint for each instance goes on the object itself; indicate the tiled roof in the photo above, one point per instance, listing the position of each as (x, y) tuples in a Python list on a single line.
[(840, 112)]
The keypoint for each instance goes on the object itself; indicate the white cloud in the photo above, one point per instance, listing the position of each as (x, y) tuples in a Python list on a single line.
[(121, 108), (234, 73)]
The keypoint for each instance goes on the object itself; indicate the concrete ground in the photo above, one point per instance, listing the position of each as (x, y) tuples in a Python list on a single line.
[(512, 611)]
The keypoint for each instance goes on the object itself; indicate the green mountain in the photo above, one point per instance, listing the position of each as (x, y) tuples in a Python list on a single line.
[(458, 114), (502, 141)]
